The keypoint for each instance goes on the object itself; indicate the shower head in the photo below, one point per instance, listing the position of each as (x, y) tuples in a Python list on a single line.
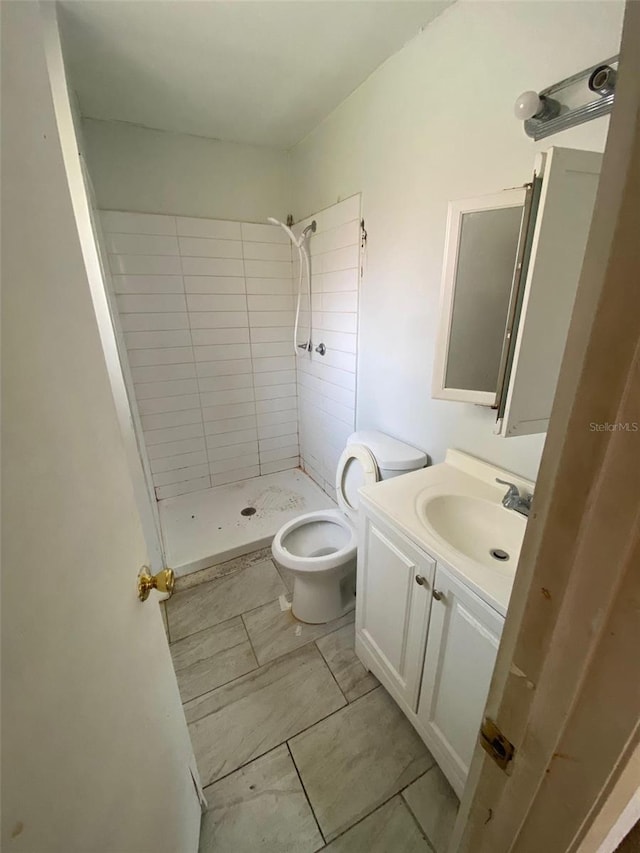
[(298, 242), (310, 229)]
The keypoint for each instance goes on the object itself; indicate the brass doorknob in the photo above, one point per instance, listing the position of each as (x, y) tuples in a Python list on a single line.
[(164, 581)]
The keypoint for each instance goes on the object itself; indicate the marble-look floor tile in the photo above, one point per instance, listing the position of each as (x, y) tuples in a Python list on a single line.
[(390, 829), (287, 576), (260, 808), (274, 632), (221, 570), (356, 759), (205, 660), (216, 601), (337, 649), (435, 806), (250, 716)]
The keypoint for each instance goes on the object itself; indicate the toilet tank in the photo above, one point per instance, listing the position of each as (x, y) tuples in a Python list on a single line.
[(394, 457)]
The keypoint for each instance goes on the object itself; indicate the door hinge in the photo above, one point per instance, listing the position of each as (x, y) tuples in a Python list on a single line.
[(495, 743)]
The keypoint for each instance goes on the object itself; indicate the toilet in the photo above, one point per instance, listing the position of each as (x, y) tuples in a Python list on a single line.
[(320, 547)]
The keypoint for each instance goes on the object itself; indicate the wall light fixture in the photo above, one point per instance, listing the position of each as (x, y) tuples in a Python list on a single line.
[(569, 102)]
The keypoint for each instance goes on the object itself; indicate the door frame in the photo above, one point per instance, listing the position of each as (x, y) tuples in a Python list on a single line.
[(569, 648)]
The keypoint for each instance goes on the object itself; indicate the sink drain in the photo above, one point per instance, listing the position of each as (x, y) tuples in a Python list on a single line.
[(499, 554), (248, 510)]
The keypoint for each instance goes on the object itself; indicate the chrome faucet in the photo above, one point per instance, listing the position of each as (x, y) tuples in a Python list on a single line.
[(513, 499)]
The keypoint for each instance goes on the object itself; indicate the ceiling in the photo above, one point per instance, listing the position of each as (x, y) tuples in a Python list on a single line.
[(264, 72)]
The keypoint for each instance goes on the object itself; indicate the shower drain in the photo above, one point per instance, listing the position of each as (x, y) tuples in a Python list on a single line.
[(248, 510), (499, 554)]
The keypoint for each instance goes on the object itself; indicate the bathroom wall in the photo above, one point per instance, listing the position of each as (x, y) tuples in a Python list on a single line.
[(327, 383), (435, 123), (151, 171), (206, 308)]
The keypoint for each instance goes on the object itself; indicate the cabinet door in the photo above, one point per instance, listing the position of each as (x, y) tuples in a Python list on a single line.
[(569, 187), (480, 255), (462, 643), (392, 607)]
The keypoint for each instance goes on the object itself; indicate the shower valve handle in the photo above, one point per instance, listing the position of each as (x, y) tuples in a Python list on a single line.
[(321, 349)]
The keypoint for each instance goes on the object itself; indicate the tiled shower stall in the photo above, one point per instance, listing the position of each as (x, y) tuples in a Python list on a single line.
[(327, 383), (207, 309)]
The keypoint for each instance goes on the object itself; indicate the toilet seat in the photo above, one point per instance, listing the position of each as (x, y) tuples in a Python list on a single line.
[(293, 552), (349, 477)]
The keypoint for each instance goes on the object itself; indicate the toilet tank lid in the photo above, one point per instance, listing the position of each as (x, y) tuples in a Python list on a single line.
[(391, 454)]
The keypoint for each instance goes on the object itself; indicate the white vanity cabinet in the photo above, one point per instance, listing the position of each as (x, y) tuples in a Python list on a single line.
[(462, 644), (394, 584), (430, 640)]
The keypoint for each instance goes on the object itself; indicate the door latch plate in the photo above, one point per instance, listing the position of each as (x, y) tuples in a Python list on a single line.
[(496, 744)]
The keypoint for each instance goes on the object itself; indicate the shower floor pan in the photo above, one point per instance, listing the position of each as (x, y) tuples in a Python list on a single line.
[(208, 527)]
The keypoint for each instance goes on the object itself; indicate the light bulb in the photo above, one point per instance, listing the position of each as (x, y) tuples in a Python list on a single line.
[(527, 105)]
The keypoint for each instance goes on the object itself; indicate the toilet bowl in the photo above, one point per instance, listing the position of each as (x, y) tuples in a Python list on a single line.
[(320, 547)]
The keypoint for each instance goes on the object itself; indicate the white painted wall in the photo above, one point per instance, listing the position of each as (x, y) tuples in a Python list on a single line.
[(152, 171), (435, 123)]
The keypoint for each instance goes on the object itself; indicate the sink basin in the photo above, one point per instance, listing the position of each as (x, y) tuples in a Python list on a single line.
[(483, 531), (453, 511)]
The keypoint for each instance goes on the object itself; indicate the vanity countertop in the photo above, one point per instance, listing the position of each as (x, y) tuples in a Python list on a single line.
[(468, 483)]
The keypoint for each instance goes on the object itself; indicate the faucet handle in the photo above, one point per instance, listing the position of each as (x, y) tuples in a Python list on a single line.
[(515, 499), (513, 489)]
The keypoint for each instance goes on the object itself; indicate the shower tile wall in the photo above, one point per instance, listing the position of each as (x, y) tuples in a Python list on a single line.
[(327, 384), (206, 307)]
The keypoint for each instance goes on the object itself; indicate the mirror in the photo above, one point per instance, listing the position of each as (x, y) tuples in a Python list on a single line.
[(487, 246), (483, 235), (511, 269)]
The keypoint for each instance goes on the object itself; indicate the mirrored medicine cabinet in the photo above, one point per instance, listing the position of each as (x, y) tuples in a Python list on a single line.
[(511, 268)]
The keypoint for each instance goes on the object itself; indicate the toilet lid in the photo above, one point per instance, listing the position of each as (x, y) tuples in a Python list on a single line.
[(356, 467)]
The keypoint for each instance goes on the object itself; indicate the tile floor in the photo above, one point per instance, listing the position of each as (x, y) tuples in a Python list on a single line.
[(299, 748)]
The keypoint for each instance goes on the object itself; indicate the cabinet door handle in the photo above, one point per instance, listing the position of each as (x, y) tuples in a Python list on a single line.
[(421, 581), (437, 595)]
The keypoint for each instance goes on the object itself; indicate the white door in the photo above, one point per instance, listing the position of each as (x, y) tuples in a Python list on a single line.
[(394, 583), (96, 753), (569, 185), (462, 644)]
